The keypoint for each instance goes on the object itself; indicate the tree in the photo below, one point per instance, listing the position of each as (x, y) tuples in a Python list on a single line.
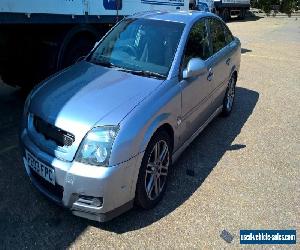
[(287, 6), (265, 5)]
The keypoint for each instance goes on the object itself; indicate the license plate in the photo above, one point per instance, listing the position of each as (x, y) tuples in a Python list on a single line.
[(40, 168)]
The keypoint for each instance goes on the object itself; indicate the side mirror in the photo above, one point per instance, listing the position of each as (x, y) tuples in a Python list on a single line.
[(195, 67)]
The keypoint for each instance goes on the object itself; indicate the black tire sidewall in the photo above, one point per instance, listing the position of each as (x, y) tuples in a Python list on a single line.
[(75, 49), (141, 198), (226, 15), (242, 14)]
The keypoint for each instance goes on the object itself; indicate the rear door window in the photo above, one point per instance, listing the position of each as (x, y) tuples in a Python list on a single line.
[(218, 38), (228, 36)]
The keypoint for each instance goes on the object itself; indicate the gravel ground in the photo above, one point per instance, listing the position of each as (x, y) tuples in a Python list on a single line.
[(247, 171)]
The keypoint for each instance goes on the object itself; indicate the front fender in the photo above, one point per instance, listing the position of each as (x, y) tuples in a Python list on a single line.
[(136, 130), (152, 128)]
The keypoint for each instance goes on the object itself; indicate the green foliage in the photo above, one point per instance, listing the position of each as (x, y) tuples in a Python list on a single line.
[(265, 5), (286, 6), (255, 4)]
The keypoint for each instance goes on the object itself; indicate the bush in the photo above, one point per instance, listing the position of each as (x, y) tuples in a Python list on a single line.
[(286, 6), (265, 5)]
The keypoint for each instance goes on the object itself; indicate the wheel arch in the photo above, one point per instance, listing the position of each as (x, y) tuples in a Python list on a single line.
[(234, 73), (159, 124), (170, 131)]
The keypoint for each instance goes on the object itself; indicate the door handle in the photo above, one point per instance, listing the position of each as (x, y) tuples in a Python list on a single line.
[(210, 75), (228, 61)]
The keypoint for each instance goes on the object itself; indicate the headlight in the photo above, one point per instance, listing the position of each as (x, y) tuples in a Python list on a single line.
[(96, 147)]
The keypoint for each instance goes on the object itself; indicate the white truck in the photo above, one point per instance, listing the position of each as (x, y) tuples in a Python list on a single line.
[(224, 8), (39, 37)]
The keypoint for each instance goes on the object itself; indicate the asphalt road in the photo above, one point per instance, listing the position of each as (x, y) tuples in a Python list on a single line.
[(247, 171)]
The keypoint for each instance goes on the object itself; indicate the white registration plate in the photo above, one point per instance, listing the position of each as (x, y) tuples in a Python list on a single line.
[(41, 169)]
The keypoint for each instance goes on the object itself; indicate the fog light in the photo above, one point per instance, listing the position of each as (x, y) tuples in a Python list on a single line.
[(91, 201), (96, 202)]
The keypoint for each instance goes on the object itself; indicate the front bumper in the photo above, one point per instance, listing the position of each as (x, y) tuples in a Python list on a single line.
[(113, 186)]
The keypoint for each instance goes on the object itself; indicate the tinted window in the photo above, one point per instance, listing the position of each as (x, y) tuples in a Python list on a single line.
[(218, 38), (198, 43), (228, 35)]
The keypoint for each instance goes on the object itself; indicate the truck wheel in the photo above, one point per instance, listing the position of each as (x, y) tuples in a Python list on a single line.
[(78, 47), (242, 14), (192, 4), (225, 15)]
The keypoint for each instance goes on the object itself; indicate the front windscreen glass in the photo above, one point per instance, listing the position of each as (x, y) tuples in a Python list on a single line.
[(143, 46)]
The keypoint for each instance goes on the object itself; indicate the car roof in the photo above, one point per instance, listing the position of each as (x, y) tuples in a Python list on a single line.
[(175, 16)]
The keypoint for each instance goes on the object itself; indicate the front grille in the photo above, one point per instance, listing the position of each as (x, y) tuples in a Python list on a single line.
[(50, 132), (56, 190)]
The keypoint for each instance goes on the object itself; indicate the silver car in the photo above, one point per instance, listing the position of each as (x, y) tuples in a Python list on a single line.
[(101, 135)]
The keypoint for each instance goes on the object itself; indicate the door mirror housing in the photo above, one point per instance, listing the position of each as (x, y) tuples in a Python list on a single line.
[(195, 67)]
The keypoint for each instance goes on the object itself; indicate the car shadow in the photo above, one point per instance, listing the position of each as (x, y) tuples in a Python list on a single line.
[(29, 220), (195, 164)]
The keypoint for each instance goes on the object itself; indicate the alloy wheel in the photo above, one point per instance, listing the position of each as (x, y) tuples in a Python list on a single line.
[(230, 94), (157, 169)]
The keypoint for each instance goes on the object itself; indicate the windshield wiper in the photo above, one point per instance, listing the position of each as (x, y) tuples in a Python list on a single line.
[(104, 64), (145, 73), (135, 72)]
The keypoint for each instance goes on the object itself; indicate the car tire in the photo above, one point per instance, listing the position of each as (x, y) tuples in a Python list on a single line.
[(153, 174), (229, 96)]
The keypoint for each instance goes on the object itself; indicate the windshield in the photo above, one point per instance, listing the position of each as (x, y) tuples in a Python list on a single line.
[(140, 46)]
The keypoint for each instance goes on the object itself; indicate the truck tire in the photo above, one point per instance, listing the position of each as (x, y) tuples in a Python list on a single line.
[(80, 46), (242, 14), (192, 4), (225, 15), (18, 53)]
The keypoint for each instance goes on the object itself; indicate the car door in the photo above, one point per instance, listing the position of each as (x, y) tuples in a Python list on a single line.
[(220, 63), (196, 104)]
